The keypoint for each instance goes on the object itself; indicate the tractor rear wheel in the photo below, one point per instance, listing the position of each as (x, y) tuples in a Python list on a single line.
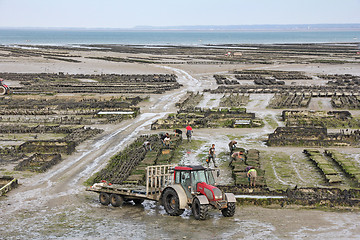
[(104, 198), (229, 211), (3, 90), (171, 202), (116, 200), (200, 211)]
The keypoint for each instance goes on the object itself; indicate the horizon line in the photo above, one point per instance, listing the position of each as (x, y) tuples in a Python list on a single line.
[(318, 26)]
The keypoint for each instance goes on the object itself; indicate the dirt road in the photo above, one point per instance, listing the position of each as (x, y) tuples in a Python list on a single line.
[(55, 205)]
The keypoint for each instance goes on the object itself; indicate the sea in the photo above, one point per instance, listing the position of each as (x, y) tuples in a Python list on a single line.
[(186, 38)]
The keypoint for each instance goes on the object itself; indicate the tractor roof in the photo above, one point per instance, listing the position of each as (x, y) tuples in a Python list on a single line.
[(189, 168)]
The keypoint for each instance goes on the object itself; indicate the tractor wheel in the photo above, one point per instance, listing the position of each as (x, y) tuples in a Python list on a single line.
[(138, 201), (200, 211), (116, 200), (3, 90), (171, 202), (104, 198), (229, 211)]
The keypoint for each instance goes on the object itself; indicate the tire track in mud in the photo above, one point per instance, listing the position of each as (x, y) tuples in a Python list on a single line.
[(191, 84), (210, 100), (285, 183), (292, 163)]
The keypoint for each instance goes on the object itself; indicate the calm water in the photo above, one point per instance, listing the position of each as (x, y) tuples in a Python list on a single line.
[(64, 37)]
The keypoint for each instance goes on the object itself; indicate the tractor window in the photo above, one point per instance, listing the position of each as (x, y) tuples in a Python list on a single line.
[(185, 179), (198, 176), (177, 177), (210, 177)]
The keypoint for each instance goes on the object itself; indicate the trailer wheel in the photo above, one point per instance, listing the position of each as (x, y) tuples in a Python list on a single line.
[(229, 211), (104, 198), (2, 90), (171, 202), (116, 200), (138, 201), (200, 211)]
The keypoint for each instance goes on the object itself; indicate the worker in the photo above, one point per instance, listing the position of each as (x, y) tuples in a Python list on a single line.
[(248, 168), (178, 132), (189, 132), (163, 136), (252, 174), (212, 155), (147, 146), (167, 141), (232, 146), (236, 156)]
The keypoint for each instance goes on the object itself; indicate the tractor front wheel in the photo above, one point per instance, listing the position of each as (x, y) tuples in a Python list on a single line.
[(171, 202), (229, 211), (200, 211)]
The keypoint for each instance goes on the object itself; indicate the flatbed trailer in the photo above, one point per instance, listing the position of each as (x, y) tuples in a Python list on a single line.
[(157, 179)]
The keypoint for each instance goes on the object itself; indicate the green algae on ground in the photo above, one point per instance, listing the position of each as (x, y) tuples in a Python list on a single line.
[(284, 171), (270, 120), (184, 146)]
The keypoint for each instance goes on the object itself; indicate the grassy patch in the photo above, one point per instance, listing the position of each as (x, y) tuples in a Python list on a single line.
[(278, 173), (185, 145), (270, 120), (283, 170), (234, 137), (9, 173), (259, 103), (320, 103)]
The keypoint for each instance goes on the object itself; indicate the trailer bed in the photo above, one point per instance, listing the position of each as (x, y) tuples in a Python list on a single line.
[(127, 191)]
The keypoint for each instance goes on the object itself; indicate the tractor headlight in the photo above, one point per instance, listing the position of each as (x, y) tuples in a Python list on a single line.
[(217, 194)]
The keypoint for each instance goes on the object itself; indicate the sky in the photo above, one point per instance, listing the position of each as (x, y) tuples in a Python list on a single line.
[(128, 14)]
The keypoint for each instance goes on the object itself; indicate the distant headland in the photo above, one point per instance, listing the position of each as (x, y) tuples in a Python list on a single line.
[(264, 27)]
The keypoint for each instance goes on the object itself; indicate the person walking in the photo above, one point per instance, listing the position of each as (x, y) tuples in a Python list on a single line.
[(189, 132), (212, 155), (252, 174)]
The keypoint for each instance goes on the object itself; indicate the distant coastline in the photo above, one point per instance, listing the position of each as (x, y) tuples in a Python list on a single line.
[(262, 27)]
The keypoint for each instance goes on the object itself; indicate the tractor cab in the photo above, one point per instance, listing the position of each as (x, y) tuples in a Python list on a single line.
[(194, 179)]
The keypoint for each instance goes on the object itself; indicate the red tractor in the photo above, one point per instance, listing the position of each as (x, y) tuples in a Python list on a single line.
[(176, 188), (193, 186), (4, 89)]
